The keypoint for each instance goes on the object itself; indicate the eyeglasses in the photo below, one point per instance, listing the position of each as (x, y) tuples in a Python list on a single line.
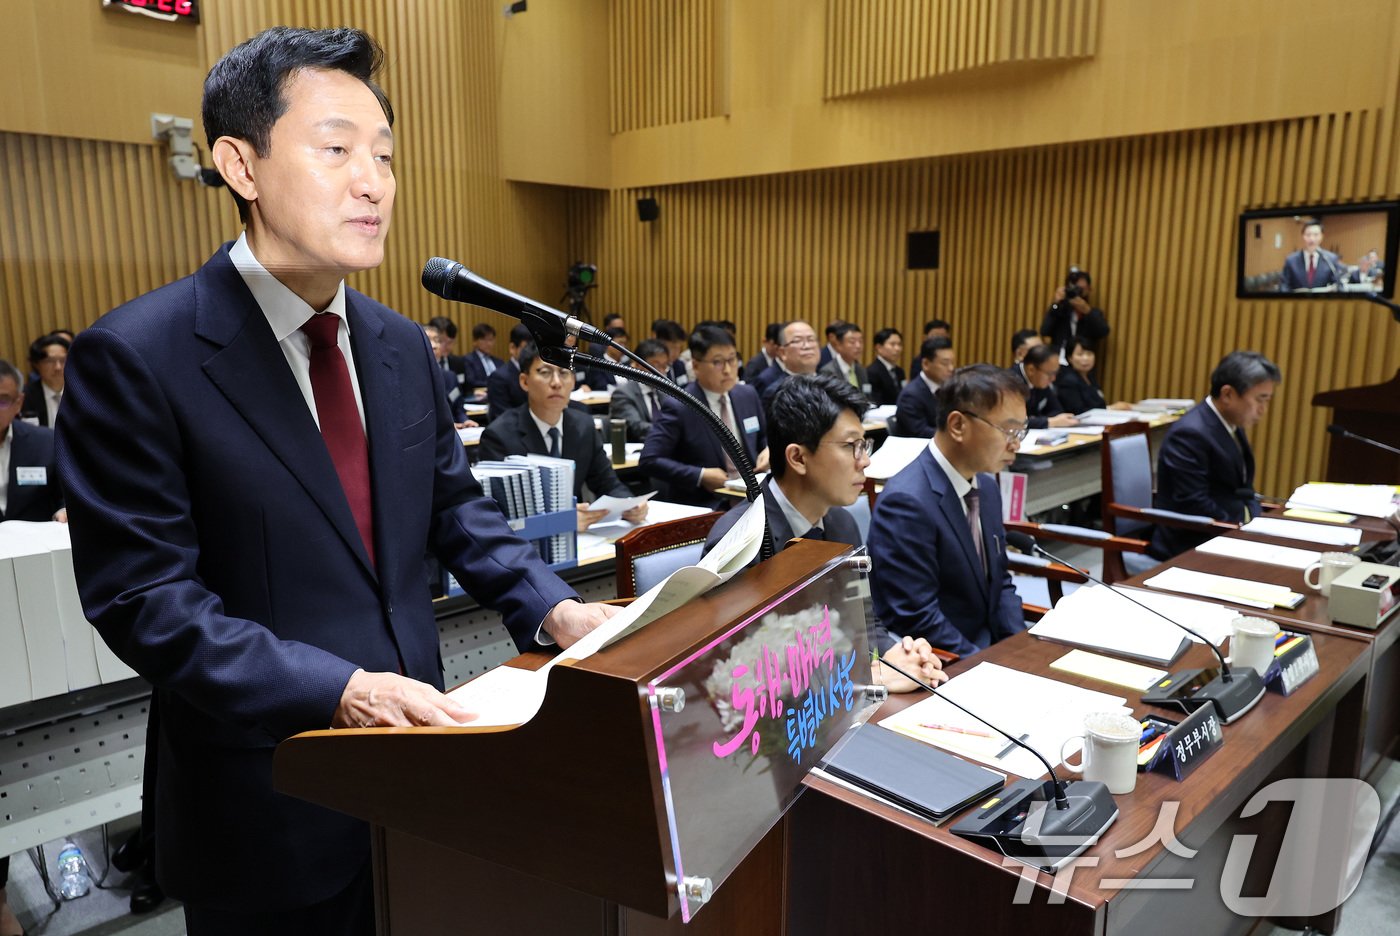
[(7, 402), (550, 374), (860, 448), (1012, 436), (721, 363), (808, 342)]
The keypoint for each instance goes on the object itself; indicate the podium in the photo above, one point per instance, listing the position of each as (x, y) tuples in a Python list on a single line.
[(634, 796), (1373, 412)]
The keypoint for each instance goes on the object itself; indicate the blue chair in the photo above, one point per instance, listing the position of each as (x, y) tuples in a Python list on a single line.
[(648, 554)]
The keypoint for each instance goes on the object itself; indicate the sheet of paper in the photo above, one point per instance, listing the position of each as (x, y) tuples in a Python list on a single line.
[(879, 413), (1267, 553), (1044, 712), (1367, 500), (502, 699), (1103, 619), (1260, 595), (1308, 532), (1321, 516), (617, 506), (1133, 676), (1163, 405), (470, 433), (893, 455), (737, 484)]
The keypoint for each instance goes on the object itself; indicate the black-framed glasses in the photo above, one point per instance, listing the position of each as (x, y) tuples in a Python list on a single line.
[(721, 363), (1012, 436), (805, 342), (860, 448)]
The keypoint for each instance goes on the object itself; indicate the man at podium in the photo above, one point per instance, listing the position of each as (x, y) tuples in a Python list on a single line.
[(257, 458)]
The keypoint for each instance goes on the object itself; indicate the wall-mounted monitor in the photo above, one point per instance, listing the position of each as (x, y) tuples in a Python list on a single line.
[(1319, 252)]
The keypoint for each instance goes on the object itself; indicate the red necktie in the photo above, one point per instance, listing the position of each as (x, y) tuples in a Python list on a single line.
[(1312, 267), (340, 420)]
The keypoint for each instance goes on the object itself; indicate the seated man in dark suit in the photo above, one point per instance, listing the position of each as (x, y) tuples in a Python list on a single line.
[(681, 451), (478, 364), (672, 335), (819, 470), (937, 543), (766, 355), (1206, 465), (797, 354), (450, 380), (28, 481), (596, 377), (829, 348), (47, 357), (848, 345), (636, 402), (1023, 341), (1037, 371), (547, 425), (503, 388), (933, 328), (885, 374), (916, 411)]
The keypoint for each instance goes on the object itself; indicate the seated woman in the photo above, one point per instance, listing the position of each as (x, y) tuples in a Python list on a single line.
[(1078, 389)]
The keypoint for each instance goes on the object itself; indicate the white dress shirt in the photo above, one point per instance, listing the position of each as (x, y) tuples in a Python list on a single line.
[(5, 471), (544, 428), (932, 387), (959, 484), (800, 524), (286, 312), (51, 401)]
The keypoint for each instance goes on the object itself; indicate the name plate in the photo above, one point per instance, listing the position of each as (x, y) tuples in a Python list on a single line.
[(1295, 662), (1183, 749)]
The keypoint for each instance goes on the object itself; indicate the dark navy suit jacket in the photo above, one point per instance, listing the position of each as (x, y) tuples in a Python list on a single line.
[(1040, 404), (916, 410), (884, 385), (31, 447), (1076, 394), (681, 443), (925, 576), (760, 381), (1295, 271), (503, 390), (473, 371), (515, 433), (217, 555), (838, 524), (1201, 471), (36, 405)]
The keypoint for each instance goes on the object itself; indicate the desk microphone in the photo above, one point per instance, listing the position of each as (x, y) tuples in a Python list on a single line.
[(1345, 433), (1232, 692), (1378, 300), (1019, 822)]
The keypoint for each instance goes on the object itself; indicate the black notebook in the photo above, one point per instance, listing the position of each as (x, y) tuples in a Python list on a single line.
[(914, 776)]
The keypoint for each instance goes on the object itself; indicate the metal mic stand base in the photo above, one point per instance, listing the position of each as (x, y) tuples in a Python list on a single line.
[(1231, 698)]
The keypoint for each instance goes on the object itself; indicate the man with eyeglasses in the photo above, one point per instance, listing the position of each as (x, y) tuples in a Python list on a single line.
[(820, 455), (1037, 371), (682, 453), (28, 481), (937, 542), (797, 354), (547, 425)]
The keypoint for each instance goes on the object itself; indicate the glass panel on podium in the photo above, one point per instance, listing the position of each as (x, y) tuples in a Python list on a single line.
[(759, 707)]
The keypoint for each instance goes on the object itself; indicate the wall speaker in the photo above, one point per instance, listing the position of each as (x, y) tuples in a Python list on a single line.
[(922, 250), (648, 209)]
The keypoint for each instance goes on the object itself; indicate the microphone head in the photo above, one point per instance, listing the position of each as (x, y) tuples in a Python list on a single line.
[(438, 276), (1336, 430), (1021, 541)]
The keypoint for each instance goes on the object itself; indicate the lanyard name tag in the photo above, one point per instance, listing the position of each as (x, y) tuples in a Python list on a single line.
[(751, 424), (32, 476)]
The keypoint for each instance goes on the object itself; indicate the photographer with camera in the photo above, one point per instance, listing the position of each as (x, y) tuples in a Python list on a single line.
[(1072, 315)]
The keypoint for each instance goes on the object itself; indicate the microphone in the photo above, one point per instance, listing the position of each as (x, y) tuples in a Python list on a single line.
[(1232, 692), (1378, 300), (1343, 432), (1019, 822), (550, 327)]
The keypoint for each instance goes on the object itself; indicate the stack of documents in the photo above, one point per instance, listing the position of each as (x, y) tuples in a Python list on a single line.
[(1096, 617), (893, 455), (1109, 417), (530, 485), (1163, 405), (1307, 532), (879, 414), (1043, 713), (510, 696), (1267, 553), (1367, 500), (1262, 595)]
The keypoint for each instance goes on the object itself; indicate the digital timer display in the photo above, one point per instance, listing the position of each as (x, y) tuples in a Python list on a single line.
[(172, 10)]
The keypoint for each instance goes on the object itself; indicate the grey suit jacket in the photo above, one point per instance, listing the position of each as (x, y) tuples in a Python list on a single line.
[(629, 403), (862, 377)]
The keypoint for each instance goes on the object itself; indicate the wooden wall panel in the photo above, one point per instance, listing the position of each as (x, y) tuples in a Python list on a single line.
[(874, 44), (1153, 218), (88, 225), (662, 62)]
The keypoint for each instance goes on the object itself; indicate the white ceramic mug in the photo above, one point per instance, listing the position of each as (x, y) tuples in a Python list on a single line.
[(1252, 643), (1110, 750), (1329, 567)]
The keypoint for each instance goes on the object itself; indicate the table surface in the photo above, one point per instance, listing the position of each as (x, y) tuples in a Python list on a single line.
[(1208, 796)]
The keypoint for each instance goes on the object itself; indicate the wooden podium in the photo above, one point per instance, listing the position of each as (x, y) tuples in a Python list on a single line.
[(1373, 412), (577, 820)]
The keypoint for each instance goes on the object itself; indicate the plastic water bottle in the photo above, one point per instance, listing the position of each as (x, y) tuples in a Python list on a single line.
[(73, 879)]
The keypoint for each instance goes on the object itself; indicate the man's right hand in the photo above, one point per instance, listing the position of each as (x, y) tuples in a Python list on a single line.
[(712, 479), (1062, 421), (388, 700)]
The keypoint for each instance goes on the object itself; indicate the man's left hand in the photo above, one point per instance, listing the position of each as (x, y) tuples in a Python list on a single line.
[(1081, 308), (568, 621), (637, 514), (62, 515)]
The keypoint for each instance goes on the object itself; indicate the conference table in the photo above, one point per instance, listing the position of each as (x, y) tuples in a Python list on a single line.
[(857, 865), (1072, 470), (1382, 725)]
